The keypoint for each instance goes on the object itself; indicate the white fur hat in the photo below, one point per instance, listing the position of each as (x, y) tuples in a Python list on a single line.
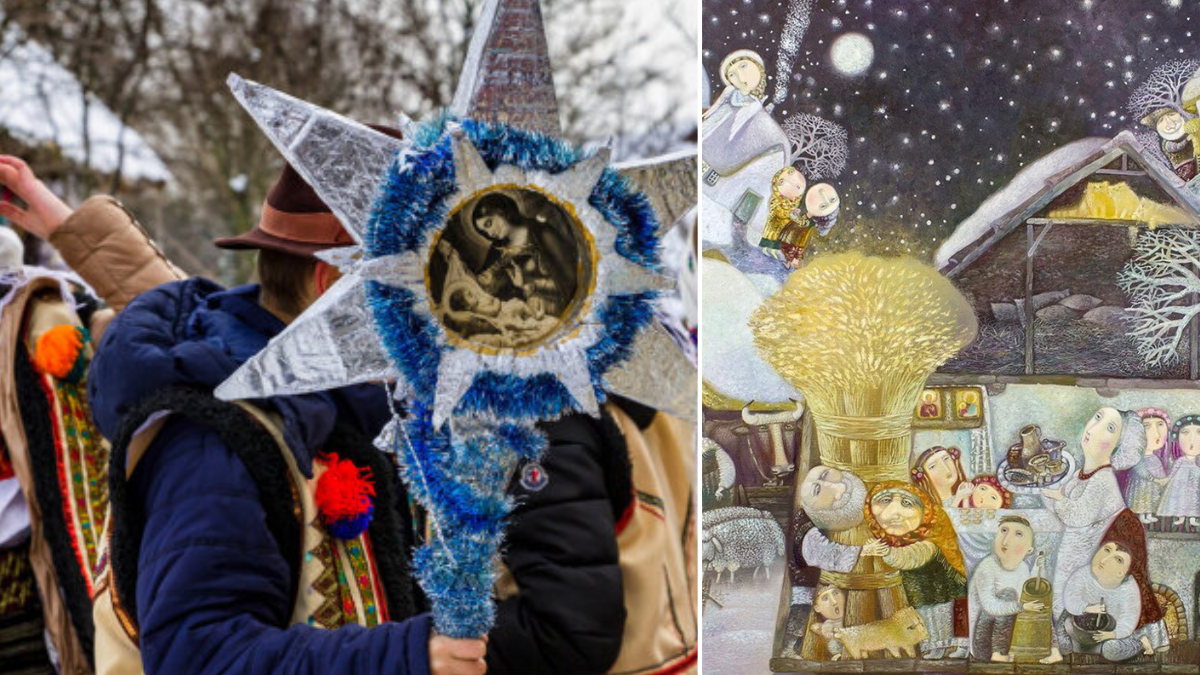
[(740, 54), (12, 251), (1132, 442)]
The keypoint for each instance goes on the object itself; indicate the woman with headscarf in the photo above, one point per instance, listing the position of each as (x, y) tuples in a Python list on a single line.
[(784, 213), (1087, 502), (939, 472), (1142, 484), (1181, 491), (918, 539), (1109, 606)]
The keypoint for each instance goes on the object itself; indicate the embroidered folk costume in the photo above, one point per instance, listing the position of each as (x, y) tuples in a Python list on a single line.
[(49, 322)]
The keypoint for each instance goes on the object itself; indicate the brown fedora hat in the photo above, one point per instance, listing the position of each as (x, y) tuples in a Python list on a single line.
[(294, 219)]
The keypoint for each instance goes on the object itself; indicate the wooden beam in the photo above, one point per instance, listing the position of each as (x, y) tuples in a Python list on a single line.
[(1037, 242), (1029, 309), (1119, 222), (1113, 222), (1121, 172), (1085, 381)]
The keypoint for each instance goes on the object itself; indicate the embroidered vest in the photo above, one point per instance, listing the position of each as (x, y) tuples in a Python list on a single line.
[(364, 580), (59, 460)]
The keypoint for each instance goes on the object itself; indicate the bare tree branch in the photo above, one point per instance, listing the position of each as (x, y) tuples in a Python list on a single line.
[(819, 147), (1162, 282), (1163, 89)]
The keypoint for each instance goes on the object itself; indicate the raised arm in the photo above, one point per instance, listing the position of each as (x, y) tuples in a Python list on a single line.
[(100, 240)]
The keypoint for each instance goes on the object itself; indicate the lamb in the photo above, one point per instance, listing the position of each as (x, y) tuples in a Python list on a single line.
[(742, 538), (900, 632)]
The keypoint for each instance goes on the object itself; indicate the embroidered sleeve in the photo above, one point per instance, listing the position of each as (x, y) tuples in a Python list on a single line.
[(1099, 499), (911, 557)]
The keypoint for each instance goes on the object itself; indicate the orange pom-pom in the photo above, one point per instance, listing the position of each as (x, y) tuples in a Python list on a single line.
[(58, 350)]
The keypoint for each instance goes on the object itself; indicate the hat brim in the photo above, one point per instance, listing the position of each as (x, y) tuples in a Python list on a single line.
[(257, 239)]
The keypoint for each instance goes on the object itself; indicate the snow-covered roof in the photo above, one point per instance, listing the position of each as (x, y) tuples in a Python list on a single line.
[(41, 102), (1040, 182)]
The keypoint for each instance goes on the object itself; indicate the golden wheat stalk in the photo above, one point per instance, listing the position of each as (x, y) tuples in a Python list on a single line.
[(859, 336)]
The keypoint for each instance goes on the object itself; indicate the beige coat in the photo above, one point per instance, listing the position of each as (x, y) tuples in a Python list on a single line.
[(658, 549)]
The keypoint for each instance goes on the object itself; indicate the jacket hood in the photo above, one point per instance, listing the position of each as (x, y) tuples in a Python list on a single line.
[(196, 333)]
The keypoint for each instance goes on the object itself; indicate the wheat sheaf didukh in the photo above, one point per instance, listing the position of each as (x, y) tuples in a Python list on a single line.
[(859, 336)]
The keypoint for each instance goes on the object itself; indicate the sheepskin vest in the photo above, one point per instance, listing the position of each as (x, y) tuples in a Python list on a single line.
[(59, 461), (363, 581)]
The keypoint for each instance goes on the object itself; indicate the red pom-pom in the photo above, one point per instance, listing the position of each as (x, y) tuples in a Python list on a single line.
[(344, 491)]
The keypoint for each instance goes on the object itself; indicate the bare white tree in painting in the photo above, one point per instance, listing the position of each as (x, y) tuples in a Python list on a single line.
[(1163, 89), (1162, 282), (819, 147)]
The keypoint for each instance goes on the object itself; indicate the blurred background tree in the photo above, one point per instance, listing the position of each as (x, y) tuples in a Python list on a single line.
[(156, 69)]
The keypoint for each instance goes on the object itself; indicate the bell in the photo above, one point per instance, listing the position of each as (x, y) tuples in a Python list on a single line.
[(1033, 632)]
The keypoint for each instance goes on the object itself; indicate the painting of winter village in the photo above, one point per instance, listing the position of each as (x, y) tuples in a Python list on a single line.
[(951, 347)]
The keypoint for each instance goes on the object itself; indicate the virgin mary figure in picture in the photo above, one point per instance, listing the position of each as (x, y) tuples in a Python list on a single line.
[(506, 279), (526, 259), (1087, 502)]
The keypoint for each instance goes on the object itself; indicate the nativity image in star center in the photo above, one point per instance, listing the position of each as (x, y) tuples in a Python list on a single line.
[(507, 268), (951, 366)]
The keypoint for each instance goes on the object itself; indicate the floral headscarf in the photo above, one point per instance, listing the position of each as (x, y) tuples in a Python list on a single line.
[(923, 480), (1006, 497), (778, 201), (1166, 454), (1173, 439), (935, 524)]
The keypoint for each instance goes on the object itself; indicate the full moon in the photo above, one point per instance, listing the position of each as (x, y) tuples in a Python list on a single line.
[(852, 54)]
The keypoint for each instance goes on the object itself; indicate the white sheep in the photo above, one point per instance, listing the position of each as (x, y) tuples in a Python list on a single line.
[(737, 541)]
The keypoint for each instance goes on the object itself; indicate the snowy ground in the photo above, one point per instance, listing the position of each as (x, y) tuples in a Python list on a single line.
[(738, 637)]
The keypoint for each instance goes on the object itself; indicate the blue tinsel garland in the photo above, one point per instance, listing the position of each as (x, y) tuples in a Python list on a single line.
[(463, 481)]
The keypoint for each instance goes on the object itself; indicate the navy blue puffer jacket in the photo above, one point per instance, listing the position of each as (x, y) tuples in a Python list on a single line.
[(212, 586)]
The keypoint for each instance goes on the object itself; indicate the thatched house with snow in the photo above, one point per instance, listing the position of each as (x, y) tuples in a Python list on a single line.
[(1042, 261), (72, 140), (50, 118)]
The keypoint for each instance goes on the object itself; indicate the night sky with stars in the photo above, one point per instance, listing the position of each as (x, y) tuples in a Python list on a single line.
[(960, 95)]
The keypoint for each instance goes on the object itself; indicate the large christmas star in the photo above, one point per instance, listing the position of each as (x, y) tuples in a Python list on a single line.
[(336, 342)]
